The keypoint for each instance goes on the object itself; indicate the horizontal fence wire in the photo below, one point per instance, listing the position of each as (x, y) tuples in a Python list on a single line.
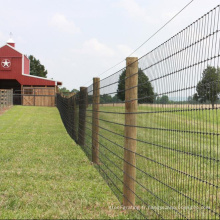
[(6, 98), (171, 133)]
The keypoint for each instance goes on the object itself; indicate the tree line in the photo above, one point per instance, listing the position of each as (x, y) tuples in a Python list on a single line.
[(207, 89)]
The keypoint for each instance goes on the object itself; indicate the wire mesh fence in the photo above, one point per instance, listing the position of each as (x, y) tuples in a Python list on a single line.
[(6, 98), (152, 127)]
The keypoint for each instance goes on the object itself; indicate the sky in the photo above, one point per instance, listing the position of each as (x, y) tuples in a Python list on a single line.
[(77, 40)]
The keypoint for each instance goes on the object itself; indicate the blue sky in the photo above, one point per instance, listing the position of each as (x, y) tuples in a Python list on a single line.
[(77, 40)]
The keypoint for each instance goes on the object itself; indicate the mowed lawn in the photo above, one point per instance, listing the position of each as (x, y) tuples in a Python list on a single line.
[(44, 174)]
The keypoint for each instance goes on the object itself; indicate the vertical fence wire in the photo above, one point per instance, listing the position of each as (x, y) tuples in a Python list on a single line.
[(177, 159), (6, 98)]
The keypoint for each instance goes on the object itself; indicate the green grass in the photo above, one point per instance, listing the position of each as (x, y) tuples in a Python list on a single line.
[(178, 170), (44, 174)]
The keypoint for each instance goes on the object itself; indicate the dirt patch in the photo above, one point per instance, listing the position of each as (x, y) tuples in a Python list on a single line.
[(3, 110)]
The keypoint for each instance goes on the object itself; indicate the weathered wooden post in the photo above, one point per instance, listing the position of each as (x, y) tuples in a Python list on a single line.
[(131, 105), (5, 98), (82, 115), (74, 116), (95, 120), (12, 97), (69, 116)]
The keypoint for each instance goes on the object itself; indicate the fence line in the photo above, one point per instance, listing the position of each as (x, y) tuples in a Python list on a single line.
[(152, 128), (6, 98)]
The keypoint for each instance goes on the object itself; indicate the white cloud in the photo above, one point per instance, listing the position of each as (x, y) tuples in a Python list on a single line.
[(124, 49), (136, 11), (95, 48), (60, 22)]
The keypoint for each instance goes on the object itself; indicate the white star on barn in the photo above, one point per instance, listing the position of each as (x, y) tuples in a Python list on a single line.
[(6, 63)]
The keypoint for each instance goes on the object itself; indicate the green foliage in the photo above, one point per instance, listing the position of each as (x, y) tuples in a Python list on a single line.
[(64, 89), (163, 100), (145, 89), (196, 97), (208, 88), (108, 99), (115, 98), (75, 90), (105, 98), (89, 99), (36, 68), (190, 98)]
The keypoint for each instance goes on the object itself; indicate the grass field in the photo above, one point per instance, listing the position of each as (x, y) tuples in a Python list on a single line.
[(44, 174), (178, 168)]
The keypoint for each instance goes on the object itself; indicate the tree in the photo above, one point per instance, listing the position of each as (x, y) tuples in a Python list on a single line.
[(190, 98), (208, 88), (115, 98), (161, 100), (64, 89), (155, 97), (75, 90), (164, 99), (145, 89), (105, 99), (196, 97), (36, 68)]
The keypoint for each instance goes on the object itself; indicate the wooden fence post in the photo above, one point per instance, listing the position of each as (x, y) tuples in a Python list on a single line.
[(82, 115), (131, 105), (69, 112), (95, 120), (74, 116), (12, 97)]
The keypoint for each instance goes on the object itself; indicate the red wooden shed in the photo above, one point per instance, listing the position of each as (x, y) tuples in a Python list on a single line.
[(15, 74)]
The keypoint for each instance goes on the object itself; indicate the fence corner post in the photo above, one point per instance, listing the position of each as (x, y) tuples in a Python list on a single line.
[(130, 130), (95, 120), (82, 115)]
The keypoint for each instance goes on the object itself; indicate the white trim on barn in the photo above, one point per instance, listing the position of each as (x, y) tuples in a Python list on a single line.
[(22, 70)]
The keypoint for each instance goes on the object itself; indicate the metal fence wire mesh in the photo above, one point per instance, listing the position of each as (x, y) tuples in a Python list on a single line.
[(6, 98), (171, 135)]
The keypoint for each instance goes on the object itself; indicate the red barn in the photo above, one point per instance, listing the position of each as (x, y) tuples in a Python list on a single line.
[(15, 74)]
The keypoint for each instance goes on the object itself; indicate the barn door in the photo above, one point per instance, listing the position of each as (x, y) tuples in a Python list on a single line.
[(28, 97)]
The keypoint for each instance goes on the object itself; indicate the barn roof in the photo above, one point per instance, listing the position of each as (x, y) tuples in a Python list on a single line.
[(26, 79), (16, 52), (36, 80)]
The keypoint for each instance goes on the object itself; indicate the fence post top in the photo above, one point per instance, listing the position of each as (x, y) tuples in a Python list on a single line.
[(82, 88), (131, 59), (96, 79)]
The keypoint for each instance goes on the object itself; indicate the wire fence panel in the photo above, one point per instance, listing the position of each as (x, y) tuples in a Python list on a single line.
[(178, 132), (157, 129), (6, 98)]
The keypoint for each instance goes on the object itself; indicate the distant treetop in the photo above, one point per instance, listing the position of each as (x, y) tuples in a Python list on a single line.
[(36, 68)]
